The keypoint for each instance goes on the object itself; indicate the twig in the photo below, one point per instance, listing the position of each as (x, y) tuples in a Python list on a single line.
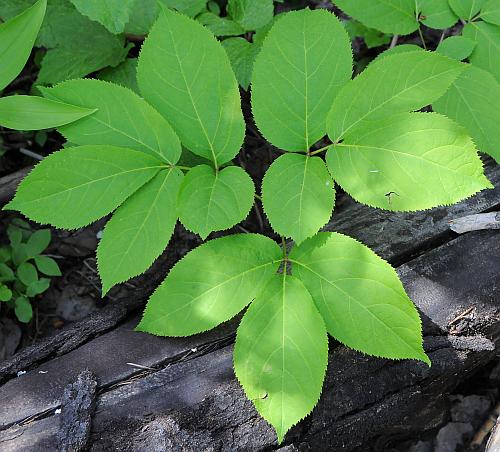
[(31, 154), (477, 222), (394, 41)]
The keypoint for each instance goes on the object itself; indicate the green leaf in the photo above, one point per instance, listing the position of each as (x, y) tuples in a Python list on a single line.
[(17, 37), (251, 14), (242, 55), (125, 74), (389, 16), (230, 272), (298, 196), (27, 273), (213, 201), (76, 186), (20, 254), (360, 297), (5, 293), (15, 235), (190, 8), (185, 73), (47, 266), (296, 78), (487, 52), (393, 84), (34, 113), (113, 14), (466, 9), (372, 37), (456, 47), (220, 26), (491, 12), (437, 14), (281, 353), (139, 230), (38, 242), (411, 161), (473, 100), (23, 310), (37, 287), (123, 119)]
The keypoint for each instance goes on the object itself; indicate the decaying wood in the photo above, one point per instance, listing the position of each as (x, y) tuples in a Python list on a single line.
[(77, 408), (9, 183), (477, 222)]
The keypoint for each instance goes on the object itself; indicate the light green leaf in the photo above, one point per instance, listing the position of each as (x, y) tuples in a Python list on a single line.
[(38, 287), (491, 12), (281, 353), (27, 273), (5, 293), (47, 266), (17, 37), (123, 119), (296, 77), (298, 196), (473, 100), (38, 242), (113, 14), (230, 272), (360, 297), (456, 47), (242, 55), (213, 201), (190, 8), (23, 310), (139, 230), (251, 14), (437, 14), (125, 74), (389, 16), (185, 73), (486, 55), (393, 84), (220, 26), (76, 186), (35, 113), (466, 9), (411, 161), (372, 37)]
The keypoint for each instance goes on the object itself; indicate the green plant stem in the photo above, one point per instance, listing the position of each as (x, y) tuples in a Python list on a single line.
[(257, 197), (324, 148), (422, 38)]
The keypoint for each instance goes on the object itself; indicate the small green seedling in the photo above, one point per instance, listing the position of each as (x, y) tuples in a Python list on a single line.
[(24, 271), (124, 162)]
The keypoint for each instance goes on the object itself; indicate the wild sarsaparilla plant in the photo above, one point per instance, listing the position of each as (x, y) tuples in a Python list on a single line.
[(125, 158)]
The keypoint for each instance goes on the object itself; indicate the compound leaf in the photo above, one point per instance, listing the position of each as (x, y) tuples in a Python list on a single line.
[(27, 273), (5, 293), (393, 84), (466, 9), (139, 230), (360, 297), (214, 200), (456, 47), (473, 100), (281, 353), (251, 14), (298, 195), (113, 14), (185, 73), (487, 52), (123, 119), (437, 14), (230, 272), (389, 16), (76, 186), (295, 78), (35, 113), (17, 37), (411, 161), (38, 242), (491, 12), (23, 309)]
